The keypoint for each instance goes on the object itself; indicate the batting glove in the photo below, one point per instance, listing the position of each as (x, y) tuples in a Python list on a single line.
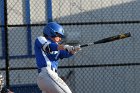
[(69, 48), (77, 48)]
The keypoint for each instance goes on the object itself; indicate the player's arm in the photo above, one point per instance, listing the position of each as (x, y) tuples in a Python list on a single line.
[(45, 45), (55, 47), (69, 51), (40, 42), (72, 49), (64, 54)]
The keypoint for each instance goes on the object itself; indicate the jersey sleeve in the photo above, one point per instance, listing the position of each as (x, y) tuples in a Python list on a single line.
[(64, 54), (53, 46), (41, 42)]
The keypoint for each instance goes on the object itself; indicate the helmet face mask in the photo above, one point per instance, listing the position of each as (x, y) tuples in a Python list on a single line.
[(52, 28), (58, 35)]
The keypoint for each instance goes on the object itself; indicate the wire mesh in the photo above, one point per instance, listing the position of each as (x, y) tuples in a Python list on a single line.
[(105, 68)]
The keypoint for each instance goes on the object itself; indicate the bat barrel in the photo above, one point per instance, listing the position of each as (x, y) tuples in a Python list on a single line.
[(109, 39), (113, 38), (125, 35)]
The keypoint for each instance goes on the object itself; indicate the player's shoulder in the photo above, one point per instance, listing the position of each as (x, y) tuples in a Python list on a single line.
[(41, 38)]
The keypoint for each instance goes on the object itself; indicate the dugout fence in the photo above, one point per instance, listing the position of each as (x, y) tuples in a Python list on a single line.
[(105, 68)]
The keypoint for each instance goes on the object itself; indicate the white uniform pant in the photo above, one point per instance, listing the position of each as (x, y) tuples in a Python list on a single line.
[(49, 82)]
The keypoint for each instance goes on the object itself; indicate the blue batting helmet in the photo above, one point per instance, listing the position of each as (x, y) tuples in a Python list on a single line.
[(52, 28)]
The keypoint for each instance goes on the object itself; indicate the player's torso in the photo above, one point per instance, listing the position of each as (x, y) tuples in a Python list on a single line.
[(42, 57)]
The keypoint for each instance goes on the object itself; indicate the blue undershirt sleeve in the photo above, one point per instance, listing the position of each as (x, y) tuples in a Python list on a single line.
[(64, 54), (53, 47)]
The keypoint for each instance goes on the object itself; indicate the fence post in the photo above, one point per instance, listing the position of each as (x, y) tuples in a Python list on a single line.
[(49, 10), (6, 44), (27, 15)]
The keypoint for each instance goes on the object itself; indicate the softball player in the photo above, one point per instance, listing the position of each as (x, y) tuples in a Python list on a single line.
[(48, 51)]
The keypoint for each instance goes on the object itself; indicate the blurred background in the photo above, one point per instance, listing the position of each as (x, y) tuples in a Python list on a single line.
[(105, 68)]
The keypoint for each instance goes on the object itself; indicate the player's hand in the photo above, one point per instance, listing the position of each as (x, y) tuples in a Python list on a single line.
[(69, 48), (72, 49), (77, 48), (61, 47)]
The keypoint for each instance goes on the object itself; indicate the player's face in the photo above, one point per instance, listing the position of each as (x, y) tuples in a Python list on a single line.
[(57, 39)]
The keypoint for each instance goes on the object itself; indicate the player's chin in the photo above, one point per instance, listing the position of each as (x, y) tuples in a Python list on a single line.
[(58, 41)]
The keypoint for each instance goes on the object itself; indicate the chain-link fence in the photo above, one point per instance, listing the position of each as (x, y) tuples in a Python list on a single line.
[(105, 68)]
